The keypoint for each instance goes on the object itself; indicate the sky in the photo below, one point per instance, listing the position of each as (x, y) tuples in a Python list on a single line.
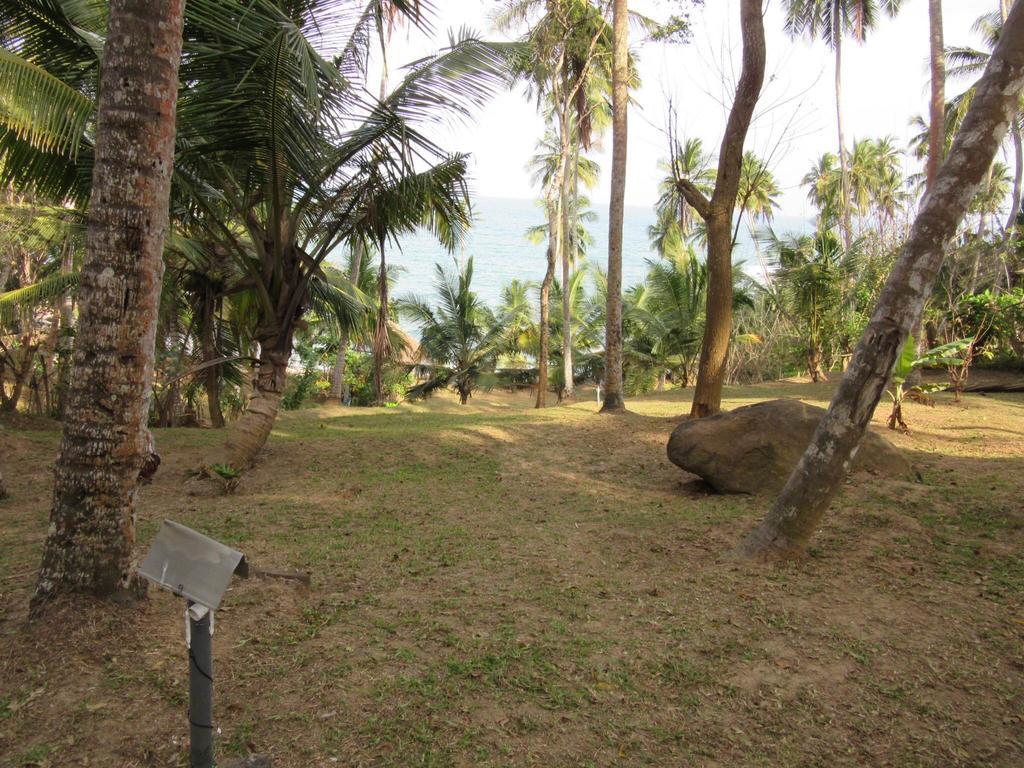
[(885, 83)]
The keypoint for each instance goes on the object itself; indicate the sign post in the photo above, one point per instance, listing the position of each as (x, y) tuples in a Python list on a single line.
[(199, 569)]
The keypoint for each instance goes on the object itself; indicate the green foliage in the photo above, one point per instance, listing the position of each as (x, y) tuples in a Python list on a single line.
[(298, 389), (395, 378)]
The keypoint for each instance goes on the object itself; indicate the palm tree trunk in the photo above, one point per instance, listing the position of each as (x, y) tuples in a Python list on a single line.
[(211, 375), (66, 337), (568, 385), (381, 336), (613, 400), (844, 166), (545, 304), (1018, 175), (937, 105), (339, 389), (105, 443), (789, 525), (718, 212)]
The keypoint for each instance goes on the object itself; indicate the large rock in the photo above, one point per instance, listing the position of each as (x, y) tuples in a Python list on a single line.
[(753, 449)]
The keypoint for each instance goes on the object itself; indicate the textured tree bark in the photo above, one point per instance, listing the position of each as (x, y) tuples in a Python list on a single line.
[(105, 443), (613, 400), (788, 527), (3, 488), (937, 104), (65, 338), (718, 214), (246, 437)]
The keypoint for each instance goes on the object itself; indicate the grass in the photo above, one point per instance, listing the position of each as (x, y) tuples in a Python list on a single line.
[(499, 586)]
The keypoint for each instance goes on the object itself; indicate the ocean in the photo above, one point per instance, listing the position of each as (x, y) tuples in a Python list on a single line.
[(497, 242)]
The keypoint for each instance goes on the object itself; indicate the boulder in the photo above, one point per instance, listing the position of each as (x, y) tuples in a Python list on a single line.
[(753, 449)]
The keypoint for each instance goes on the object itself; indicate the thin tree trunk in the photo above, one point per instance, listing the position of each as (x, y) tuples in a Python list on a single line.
[(339, 389), (789, 525), (105, 443), (844, 167), (66, 337), (718, 212), (3, 488), (613, 400), (381, 335), (545, 306), (212, 375), (937, 105), (568, 385), (1018, 174)]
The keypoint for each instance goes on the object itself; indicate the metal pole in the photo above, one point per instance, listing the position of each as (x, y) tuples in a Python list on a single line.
[(200, 690)]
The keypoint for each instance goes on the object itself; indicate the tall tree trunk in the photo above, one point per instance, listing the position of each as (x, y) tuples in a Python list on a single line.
[(1018, 174), (545, 305), (718, 214), (788, 527), (211, 375), (105, 443), (339, 389), (613, 400), (381, 335), (66, 335), (937, 105), (568, 386), (844, 165)]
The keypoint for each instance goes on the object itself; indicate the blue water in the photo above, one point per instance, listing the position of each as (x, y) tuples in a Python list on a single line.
[(497, 242)]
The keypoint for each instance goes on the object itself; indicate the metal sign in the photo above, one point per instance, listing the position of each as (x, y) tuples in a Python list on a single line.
[(191, 564)]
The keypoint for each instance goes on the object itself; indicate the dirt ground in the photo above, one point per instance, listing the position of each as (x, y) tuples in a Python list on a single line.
[(498, 586)]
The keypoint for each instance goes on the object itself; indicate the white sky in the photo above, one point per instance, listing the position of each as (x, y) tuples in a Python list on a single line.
[(885, 84)]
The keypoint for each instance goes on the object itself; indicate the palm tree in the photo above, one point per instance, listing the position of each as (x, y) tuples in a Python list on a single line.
[(106, 445), (831, 20), (812, 274), (309, 162), (674, 215), (967, 62), (793, 518), (460, 337), (568, 71), (613, 400)]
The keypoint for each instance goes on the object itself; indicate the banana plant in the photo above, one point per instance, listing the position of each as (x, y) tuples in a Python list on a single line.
[(946, 354)]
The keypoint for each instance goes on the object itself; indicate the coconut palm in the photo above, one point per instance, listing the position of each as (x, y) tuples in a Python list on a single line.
[(812, 274), (967, 62), (460, 336), (675, 220), (567, 69), (831, 21)]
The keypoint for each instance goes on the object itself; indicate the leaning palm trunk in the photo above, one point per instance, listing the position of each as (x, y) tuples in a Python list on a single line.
[(246, 437), (788, 527), (105, 443)]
